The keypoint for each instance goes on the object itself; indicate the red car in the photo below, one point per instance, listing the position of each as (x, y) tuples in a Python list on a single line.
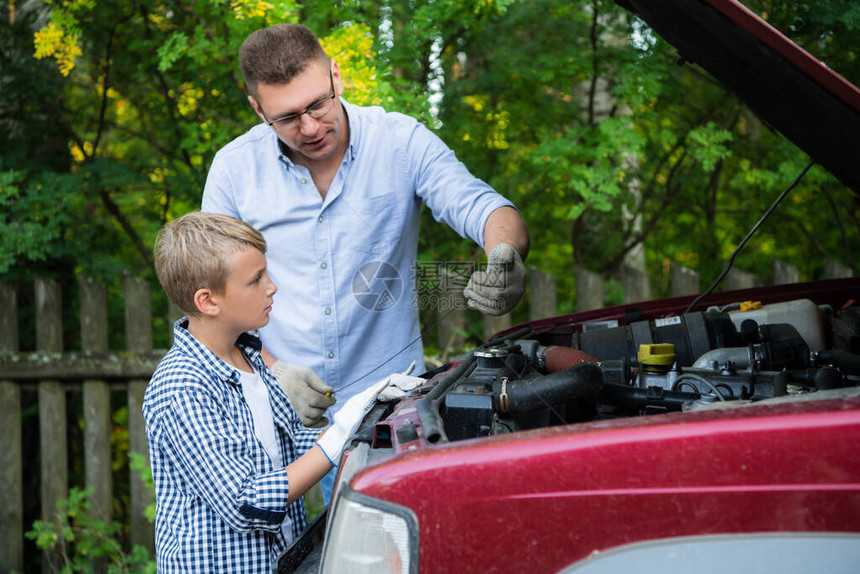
[(712, 434)]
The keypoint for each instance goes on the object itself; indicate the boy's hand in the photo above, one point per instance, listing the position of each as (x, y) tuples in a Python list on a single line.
[(498, 289), (347, 419), (399, 385), (308, 394)]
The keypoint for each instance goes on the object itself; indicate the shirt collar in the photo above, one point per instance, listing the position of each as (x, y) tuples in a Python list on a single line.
[(187, 343), (354, 122)]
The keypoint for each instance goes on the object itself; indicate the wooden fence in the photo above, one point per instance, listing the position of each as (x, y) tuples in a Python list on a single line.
[(97, 374), (54, 374)]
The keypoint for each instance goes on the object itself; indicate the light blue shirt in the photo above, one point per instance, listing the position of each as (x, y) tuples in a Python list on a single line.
[(345, 266)]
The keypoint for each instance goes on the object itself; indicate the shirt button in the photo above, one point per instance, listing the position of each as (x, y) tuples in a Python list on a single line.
[(328, 311), (324, 265), (320, 219), (304, 180), (331, 355)]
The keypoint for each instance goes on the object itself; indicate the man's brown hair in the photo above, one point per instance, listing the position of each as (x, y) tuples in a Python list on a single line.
[(277, 54), (195, 252)]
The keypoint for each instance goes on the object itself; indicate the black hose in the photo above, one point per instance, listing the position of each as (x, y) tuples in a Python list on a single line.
[(637, 398), (428, 407), (525, 395), (847, 361), (518, 334)]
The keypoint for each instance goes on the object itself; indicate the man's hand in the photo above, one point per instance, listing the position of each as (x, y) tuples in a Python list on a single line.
[(347, 419), (498, 289), (308, 394)]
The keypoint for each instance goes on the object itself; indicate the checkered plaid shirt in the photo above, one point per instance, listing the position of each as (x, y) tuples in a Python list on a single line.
[(219, 499)]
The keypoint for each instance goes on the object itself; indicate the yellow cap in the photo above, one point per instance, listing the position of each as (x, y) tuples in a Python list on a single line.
[(658, 356)]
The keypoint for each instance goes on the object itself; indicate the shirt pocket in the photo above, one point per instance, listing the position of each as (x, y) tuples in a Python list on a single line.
[(376, 223)]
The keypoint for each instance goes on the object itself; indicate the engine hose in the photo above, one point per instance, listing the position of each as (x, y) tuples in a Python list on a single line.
[(525, 395), (428, 406), (828, 378), (848, 362), (557, 358), (518, 334), (637, 398), (822, 378)]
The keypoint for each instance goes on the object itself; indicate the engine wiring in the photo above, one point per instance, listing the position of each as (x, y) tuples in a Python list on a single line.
[(748, 236), (687, 377)]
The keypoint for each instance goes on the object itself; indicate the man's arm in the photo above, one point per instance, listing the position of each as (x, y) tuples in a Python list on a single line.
[(506, 240), (506, 225)]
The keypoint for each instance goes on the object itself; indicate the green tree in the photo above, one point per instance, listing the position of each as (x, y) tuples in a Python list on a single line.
[(581, 114), (575, 110)]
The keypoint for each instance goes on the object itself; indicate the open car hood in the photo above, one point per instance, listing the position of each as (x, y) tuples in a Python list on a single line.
[(784, 85)]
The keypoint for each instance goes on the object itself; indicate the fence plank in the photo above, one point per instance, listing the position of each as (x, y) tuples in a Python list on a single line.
[(683, 281), (78, 366), (542, 294), (138, 336), (11, 459), (94, 323), (783, 273), (835, 270), (737, 279), (52, 407), (493, 325), (142, 531), (8, 318), (138, 315), (11, 477), (49, 316), (96, 404), (54, 466), (637, 286), (589, 290)]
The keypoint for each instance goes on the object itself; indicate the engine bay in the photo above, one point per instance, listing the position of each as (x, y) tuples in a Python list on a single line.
[(738, 353)]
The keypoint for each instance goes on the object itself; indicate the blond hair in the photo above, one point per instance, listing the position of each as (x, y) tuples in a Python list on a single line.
[(195, 252)]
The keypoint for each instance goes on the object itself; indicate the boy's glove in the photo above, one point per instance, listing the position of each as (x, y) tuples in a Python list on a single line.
[(498, 289), (308, 394), (347, 419)]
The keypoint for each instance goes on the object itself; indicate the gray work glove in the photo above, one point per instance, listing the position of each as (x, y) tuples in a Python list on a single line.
[(308, 394), (498, 289), (350, 415)]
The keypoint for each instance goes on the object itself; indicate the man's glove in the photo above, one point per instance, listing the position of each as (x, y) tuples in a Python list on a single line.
[(498, 289), (347, 419), (308, 394)]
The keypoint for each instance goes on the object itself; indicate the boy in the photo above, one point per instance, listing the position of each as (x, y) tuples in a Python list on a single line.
[(230, 457)]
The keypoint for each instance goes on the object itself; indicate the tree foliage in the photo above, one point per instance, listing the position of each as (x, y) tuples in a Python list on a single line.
[(112, 111)]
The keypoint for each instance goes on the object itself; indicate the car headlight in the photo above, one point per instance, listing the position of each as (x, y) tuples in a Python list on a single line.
[(370, 536)]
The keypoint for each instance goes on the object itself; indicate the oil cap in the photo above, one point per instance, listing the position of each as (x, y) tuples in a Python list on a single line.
[(656, 357)]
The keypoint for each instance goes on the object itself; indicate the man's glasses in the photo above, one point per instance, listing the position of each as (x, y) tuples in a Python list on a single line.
[(316, 110)]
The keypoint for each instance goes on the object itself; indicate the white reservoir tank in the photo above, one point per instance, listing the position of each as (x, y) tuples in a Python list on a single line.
[(803, 314)]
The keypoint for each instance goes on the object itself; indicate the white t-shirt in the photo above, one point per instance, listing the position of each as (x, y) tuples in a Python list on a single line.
[(257, 396)]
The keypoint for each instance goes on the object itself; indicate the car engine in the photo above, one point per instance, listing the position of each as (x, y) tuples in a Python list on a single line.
[(737, 354)]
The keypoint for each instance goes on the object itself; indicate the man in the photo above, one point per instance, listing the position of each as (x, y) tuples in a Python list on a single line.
[(336, 191)]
